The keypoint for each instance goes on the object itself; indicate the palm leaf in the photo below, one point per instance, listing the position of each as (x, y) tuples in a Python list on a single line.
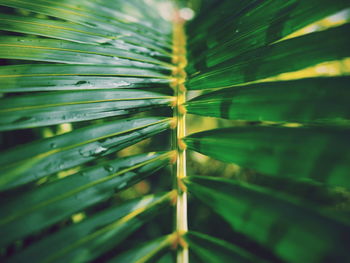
[(269, 102), (87, 239), (41, 158), (145, 252), (250, 24), (55, 108), (315, 153), (84, 14), (84, 83), (275, 59), (60, 199), (42, 77), (61, 51), (293, 232), (210, 249)]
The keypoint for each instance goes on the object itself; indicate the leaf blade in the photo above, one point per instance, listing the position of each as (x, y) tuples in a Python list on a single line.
[(321, 99), (291, 231), (82, 14), (241, 27), (95, 235), (278, 58), (44, 77), (71, 32), (30, 162), (211, 249), (55, 108), (145, 252), (319, 154), (33, 210), (53, 50)]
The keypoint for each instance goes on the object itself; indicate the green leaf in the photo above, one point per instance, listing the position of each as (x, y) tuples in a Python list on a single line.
[(167, 258), (61, 107), (88, 239), (69, 31), (55, 29), (305, 100), (318, 153), (33, 210), (294, 233), (315, 195), (286, 56), (250, 24), (92, 60), (146, 252), (148, 13), (213, 250), (87, 14), (53, 50), (44, 77), (35, 160)]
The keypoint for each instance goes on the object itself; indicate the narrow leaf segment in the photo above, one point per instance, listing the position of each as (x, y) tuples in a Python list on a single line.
[(212, 250), (292, 231), (179, 77), (41, 158), (319, 154), (147, 251), (85, 241), (35, 209)]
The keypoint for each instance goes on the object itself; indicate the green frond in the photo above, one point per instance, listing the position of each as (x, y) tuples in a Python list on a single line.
[(74, 106), (95, 98), (89, 238), (35, 209), (210, 249), (48, 77), (291, 230), (41, 158), (313, 153), (147, 252)]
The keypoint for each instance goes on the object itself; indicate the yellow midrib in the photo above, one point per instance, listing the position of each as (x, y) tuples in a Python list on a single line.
[(179, 77)]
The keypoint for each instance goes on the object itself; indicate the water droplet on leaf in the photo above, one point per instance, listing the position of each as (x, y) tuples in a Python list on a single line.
[(53, 145), (109, 168), (122, 185), (100, 150), (92, 152), (80, 82)]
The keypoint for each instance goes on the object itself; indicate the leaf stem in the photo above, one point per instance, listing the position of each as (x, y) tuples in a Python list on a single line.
[(179, 77)]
